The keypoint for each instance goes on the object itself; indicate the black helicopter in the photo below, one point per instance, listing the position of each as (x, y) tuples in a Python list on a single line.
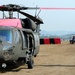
[(19, 37)]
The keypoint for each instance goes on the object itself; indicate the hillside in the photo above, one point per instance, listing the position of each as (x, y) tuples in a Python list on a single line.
[(65, 35)]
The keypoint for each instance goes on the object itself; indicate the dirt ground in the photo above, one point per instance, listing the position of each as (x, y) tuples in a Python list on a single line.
[(53, 59)]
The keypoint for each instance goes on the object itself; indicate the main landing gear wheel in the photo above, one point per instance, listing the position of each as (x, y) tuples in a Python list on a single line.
[(30, 63)]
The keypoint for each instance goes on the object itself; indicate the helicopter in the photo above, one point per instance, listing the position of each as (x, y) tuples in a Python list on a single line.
[(19, 37)]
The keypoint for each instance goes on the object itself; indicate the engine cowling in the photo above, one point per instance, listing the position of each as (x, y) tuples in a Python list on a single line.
[(29, 24)]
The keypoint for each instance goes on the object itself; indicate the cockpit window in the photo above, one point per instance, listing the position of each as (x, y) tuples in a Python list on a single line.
[(16, 37), (6, 36)]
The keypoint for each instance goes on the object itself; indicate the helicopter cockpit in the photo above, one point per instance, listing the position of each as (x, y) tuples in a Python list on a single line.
[(6, 36)]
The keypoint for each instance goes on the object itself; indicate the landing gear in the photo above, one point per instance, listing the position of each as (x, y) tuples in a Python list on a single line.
[(30, 63)]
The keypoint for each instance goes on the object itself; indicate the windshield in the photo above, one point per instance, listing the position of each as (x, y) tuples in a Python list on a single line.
[(6, 36)]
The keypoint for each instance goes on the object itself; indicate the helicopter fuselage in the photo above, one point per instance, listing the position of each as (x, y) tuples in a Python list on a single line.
[(19, 38), (17, 44)]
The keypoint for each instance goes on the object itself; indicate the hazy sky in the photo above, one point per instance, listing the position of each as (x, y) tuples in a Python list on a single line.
[(54, 20)]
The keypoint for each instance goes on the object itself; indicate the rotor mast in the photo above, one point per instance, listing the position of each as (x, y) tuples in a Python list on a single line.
[(10, 14)]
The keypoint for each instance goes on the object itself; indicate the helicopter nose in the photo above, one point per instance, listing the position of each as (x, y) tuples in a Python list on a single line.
[(6, 55)]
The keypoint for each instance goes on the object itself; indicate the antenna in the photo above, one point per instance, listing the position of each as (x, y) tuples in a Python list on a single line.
[(38, 13)]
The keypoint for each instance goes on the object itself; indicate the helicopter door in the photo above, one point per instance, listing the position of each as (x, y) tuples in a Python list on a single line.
[(37, 44), (17, 44), (24, 40)]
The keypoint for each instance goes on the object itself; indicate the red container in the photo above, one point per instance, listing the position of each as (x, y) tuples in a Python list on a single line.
[(57, 40), (46, 40)]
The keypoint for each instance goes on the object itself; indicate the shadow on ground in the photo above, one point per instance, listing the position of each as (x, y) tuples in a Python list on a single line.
[(11, 69), (58, 65)]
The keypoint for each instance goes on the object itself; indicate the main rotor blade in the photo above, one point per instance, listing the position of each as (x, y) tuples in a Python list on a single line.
[(57, 8), (3, 8), (39, 21)]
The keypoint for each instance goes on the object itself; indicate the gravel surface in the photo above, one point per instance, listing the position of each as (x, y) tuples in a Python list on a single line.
[(53, 59)]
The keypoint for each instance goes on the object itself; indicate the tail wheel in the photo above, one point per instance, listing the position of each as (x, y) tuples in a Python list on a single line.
[(30, 63)]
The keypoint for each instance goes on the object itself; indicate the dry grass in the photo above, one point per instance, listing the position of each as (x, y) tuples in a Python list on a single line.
[(53, 59)]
